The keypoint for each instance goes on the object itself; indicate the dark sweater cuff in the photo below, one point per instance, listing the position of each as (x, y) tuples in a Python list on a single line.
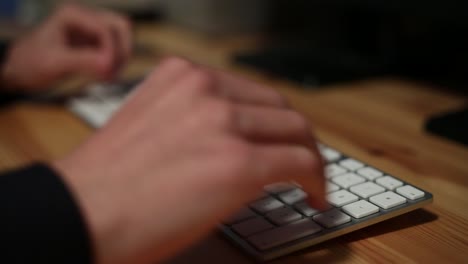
[(40, 221)]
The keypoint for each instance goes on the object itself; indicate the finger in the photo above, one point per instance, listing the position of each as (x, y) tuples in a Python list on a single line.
[(82, 62), (91, 24), (273, 125), (122, 29), (246, 91), (160, 81), (277, 163)]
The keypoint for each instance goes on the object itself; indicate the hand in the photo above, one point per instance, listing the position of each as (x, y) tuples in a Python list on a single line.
[(73, 41), (189, 148)]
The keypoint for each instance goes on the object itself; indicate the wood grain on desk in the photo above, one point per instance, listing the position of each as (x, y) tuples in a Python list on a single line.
[(377, 121)]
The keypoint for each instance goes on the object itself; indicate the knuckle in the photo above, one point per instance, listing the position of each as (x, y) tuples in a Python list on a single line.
[(202, 81), (175, 62), (221, 113)]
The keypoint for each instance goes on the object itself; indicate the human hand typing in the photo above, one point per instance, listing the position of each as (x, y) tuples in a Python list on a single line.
[(189, 148), (73, 41)]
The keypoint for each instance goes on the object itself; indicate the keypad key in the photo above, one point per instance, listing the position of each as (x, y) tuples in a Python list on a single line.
[(351, 164), (266, 205), (331, 187), (387, 200), (329, 154), (276, 188), (242, 214), (293, 196), (389, 182), (333, 170), (347, 180), (410, 192), (305, 209), (332, 218), (252, 226), (283, 216), (367, 189), (370, 173), (360, 209), (284, 234), (341, 198)]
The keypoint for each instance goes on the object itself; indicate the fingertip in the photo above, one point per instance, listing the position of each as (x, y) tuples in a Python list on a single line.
[(318, 203)]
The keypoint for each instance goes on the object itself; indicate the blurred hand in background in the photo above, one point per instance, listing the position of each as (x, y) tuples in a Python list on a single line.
[(73, 41)]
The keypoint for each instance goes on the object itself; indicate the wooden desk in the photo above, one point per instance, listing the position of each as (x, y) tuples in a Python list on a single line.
[(377, 121)]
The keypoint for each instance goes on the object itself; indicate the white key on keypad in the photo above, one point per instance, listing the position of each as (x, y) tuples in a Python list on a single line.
[(410, 192), (293, 196), (266, 205), (341, 198), (279, 187), (332, 218), (283, 216), (329, 154), (242, 214), (389, 182), (387, 200), (347, 180), (360, 209), (367, 189), (284, 234), (370, 173), (351, 164), (252, 226), (331, 187), (305, 209), (333, 170)]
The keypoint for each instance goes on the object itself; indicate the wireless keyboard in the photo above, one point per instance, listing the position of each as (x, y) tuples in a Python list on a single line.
[(279, 222)]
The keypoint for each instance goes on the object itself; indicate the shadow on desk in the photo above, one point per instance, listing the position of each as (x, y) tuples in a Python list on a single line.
[(217, 249)]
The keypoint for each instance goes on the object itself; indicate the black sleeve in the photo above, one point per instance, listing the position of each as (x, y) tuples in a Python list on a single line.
[(7, 98), (40, 222)]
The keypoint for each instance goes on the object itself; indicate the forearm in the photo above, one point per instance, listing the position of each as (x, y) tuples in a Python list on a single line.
[(40, 221)]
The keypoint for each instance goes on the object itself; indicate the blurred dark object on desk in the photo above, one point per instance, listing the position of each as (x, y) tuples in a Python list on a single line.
[(322, 42), (451, 125)]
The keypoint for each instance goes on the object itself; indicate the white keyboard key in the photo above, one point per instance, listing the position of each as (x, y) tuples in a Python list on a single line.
[(96, 113), (240, 215), (305, 209), (360, 209), (389, 182), (333, 170), (331, 187), (367, 189), (351, 164), (387, 200), (284, 234), (283, 216), (329, 154), (266, 205), (293, 196), (279, 187), (370, 173), (410, 192), (332, 218), (347, 180), (252, 226), (341, 198)]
